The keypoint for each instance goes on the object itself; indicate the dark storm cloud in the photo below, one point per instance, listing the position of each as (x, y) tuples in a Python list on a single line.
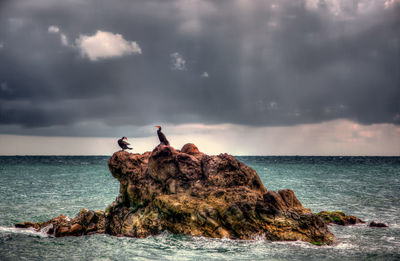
[(269, 63)]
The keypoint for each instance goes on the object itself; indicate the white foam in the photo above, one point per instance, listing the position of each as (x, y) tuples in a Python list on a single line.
[(45, 230), (344, 245), (25, 231), (394, 225), (301, 244), (388, 238)]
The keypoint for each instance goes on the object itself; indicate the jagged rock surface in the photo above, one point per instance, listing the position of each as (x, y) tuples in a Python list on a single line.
[(189, 192)]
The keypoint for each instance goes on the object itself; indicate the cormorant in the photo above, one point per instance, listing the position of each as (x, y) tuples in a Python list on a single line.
[(123, 144), (161, 136)]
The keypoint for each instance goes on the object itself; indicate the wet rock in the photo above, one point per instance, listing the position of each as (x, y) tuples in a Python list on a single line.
[(339, 218), (375, 224), (86, 221), (76, 229), (28, 225), (190, 148)]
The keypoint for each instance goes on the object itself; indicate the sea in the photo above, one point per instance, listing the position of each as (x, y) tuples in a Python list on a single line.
[(37, 188)]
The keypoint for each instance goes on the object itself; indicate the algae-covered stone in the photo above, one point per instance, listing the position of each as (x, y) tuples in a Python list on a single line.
[(339, 218)]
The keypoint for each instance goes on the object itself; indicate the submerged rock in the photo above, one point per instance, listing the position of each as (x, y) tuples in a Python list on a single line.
[(339, 218), (189, 192)]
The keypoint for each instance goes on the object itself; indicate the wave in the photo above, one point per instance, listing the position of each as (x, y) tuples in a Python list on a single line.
[(27, 231)]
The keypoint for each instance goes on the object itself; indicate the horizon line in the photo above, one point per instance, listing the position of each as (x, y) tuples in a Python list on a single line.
[(283, 155)]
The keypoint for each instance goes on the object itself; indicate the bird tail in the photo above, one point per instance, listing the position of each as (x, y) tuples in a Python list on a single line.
[(129, 148)]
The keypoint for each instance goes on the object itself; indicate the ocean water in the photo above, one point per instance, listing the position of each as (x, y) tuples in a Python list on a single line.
[(39, 188)]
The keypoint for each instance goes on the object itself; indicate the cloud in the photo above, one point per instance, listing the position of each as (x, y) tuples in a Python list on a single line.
[(314, 66), (64, 40), (56, 30), (53, 29), (103, 45), (205, 75), (192, 13), (16, 23), (177, 62), (340, 137), (4, 87), (391, 3)]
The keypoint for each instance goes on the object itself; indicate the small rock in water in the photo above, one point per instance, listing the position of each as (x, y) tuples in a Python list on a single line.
[(339, 218), (375, 224), (28, 225)]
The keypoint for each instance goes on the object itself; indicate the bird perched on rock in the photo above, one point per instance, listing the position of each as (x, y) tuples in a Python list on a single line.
[(124, 144), (161, 136)]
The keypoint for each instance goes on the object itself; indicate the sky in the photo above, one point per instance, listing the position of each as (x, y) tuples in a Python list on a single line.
[(247, 77)]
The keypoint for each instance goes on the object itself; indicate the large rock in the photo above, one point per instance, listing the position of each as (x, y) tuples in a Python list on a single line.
[(188, 192)]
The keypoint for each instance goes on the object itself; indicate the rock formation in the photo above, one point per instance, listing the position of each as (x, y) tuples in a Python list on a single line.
[(188, 192)]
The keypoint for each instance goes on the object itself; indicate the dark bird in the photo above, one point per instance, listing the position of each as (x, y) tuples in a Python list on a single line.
[(123, 144), (161, 136)]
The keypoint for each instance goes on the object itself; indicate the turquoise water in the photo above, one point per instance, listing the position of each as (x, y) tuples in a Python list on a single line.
[(39, 188)]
